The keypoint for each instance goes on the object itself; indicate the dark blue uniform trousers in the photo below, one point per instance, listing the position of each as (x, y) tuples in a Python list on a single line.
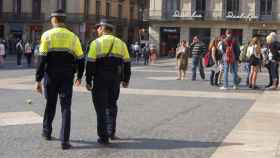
[(105, 95), (62, 87)]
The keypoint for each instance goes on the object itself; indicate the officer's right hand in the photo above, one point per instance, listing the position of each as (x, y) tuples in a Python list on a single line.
[(39, 87), (88, 87)]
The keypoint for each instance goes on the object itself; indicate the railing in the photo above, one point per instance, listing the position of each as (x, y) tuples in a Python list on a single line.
[(207, 15), (23, 17)]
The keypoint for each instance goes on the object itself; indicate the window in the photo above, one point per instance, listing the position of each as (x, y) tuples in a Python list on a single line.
[(200, 6), (170, 6), (17, 7), (266, 7), (98, 8), (131, 13), (108, 9), (36, 8), (232, 6), (86, 8), (61, 4), (120, 10), (1, 6)]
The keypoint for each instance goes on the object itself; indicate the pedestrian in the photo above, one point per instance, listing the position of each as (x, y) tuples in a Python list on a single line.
[(2, 53), (217, 58), (28, 53), (36, 52), (198, 50), (153, 53), (231, 51), (19, 52), (255, 60), (146, 53), (60, 53), (244, 59), (108, 66), (274, 58), (137, 52), (182, 55)]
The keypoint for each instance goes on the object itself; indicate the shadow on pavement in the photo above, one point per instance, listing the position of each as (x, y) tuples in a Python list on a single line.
[(151, 144)]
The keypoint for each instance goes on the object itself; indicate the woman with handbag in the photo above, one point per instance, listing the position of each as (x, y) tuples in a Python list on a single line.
[(182, 54), (255, 60)]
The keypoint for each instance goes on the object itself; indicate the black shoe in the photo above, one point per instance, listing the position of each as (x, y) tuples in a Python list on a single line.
[(114, 137), (103, 141), (212, 76), (46, 136), (66, 145), (267, 86)]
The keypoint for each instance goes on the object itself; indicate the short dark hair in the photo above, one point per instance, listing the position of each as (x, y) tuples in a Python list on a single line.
[(60, 19), (108, 29)]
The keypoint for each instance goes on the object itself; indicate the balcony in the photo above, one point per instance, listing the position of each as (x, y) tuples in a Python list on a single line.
[(23, 17), (160, 15)]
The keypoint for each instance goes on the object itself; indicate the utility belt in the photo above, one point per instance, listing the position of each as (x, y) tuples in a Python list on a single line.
[(109, 65)]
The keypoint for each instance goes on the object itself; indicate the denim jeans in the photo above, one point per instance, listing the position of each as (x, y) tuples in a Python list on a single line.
[(274, 70), (197, 62), (247, 68), (233, 67)]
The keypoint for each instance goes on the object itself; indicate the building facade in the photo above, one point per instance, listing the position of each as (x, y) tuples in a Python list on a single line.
[(27, 19), (174, 20)]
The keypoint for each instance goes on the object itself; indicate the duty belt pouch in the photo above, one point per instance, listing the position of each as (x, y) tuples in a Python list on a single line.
[(110, 64)]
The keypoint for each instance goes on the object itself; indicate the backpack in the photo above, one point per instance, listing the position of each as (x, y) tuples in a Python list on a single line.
[(208, 60), (243, 55), (229, 52)]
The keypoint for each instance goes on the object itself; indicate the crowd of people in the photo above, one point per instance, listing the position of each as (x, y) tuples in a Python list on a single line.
[(28, 49), (145, 51), (224, 55)]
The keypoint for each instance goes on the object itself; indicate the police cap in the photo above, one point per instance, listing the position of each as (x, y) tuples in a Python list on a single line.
[(58, 13), (104, 22)]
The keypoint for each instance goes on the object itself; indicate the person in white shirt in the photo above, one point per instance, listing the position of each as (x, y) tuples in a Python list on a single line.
[(254, 56), (28, 53), (2, 52)]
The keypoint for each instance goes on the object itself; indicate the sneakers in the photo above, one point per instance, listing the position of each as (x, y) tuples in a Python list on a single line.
[(223, 88), (235, 87)]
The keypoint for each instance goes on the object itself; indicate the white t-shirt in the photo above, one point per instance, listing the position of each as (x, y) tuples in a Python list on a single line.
[(2, 49)]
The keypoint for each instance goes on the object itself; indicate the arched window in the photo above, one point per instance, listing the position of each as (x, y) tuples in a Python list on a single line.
[(17, 7), (61, 4), (36, 8), (200, 6), (265, 7), (169, 7), (1, 6), (232, 6)]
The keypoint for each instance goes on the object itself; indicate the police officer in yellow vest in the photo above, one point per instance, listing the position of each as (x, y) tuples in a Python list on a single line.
[(61, 56), (108, 66)]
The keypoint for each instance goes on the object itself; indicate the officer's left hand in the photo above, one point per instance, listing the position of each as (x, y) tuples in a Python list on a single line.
[(78, 82)]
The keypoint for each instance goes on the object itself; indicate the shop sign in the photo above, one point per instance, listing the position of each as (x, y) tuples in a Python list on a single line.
[(178, 14), (230, 15), (170, 30)]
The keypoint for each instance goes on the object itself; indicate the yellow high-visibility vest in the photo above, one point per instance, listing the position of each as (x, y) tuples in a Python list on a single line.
[(101, 46), (60, 39)]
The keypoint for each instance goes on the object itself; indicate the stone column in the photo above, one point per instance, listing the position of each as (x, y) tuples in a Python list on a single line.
[(185, 33), (215, 32), (247, 35), (154, 35)]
